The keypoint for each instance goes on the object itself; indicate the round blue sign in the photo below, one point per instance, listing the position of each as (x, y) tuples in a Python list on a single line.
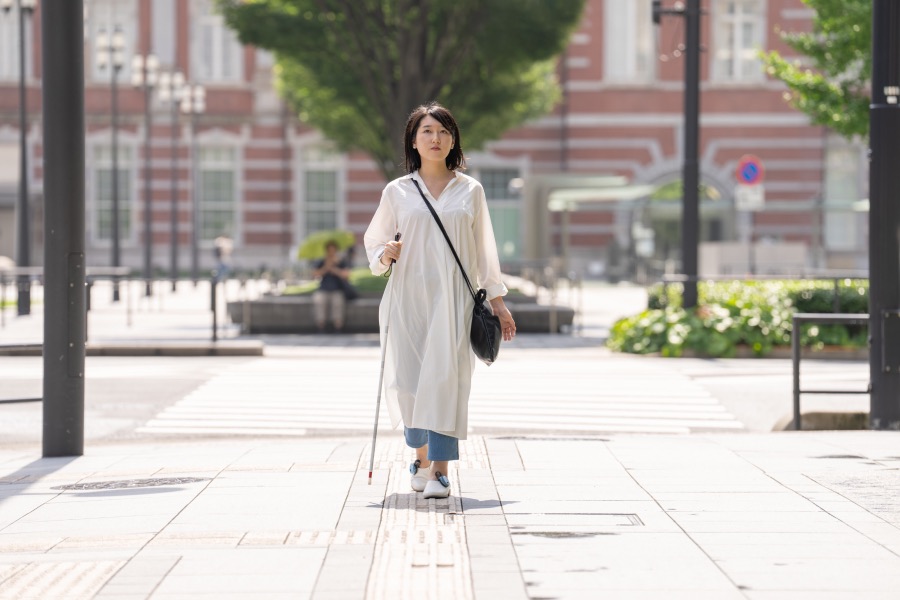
[(749, 170)]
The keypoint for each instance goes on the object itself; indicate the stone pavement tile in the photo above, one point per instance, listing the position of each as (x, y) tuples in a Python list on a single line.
[(190, 537), (556, 455), (847, 537), (608, 563), (345, 570), (240, 481), (252, 572), (506, 585), (835, 574), (697, 594), (14, 508), (819, 594), (812, 521), (483, 519), (785, 501), (570, 507), (268, 508), (505, 457), (863, 549), (574, 490), (33, 523)]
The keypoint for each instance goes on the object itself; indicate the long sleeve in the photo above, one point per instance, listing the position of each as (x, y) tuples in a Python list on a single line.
[(488, 261), (381, 230)]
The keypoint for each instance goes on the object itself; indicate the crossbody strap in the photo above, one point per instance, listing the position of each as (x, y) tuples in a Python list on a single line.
[(475, 296)]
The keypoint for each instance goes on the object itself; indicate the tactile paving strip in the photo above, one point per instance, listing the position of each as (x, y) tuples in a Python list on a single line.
[(420, 549), (70, 580)]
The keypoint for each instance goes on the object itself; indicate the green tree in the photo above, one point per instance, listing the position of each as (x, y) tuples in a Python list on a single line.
[(354, 69), (833, 89)]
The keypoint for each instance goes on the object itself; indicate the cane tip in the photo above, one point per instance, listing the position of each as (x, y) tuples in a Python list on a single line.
[(370, 477)]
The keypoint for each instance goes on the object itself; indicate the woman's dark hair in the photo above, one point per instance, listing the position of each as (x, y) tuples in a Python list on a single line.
[(455, 160)]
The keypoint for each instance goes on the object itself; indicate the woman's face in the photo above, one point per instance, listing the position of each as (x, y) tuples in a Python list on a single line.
[(433, 141)]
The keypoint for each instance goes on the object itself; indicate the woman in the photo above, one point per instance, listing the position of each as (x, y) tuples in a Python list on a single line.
[(429, 361)]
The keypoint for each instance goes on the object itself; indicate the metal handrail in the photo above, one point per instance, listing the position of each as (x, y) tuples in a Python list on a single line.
[(824, 319)]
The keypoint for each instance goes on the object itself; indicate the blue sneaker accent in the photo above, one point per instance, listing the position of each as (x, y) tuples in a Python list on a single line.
[(442, 479), (413, 467)]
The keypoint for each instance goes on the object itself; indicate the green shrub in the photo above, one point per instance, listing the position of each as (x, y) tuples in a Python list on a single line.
[(754, 314)]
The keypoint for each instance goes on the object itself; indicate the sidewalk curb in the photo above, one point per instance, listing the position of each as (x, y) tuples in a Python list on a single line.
[(243, 348)]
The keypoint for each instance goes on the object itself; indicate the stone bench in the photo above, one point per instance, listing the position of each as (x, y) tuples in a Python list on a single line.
[(294, 314)]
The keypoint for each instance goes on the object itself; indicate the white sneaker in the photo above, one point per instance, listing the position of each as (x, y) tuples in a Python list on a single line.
[(437, 488), (419, 477)]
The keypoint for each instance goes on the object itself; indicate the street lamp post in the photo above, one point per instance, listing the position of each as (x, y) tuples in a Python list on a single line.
[(23, 229), (144, 71), (111, 53), (690, 215), (194, 104), (171, 91)]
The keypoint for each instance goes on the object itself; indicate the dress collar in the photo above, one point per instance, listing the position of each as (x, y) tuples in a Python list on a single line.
[(415, 175)]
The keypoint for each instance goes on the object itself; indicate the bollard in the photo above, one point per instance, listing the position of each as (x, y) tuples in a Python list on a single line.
[(215, 327), (126, 285), (2, 301), (795, 362)]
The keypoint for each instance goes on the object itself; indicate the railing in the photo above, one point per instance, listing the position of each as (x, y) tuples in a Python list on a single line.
[(824, 319), (548, 275)]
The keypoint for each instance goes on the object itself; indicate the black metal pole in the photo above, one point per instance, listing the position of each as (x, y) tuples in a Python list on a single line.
[(174, 202), (148, 174), (62, 35), (690, 216), (884, 213), (195, 212), (23, 237), (116, 258)]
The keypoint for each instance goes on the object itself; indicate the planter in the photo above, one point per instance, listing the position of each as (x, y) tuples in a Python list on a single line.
[(294, 314)]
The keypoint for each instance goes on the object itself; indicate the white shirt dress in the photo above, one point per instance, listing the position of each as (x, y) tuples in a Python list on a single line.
[(429, 361)]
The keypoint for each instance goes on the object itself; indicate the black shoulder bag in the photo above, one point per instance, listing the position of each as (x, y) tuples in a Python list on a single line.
[(486, 332)]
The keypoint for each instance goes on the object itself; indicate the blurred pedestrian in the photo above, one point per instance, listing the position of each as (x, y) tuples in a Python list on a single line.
[(222, 247), (428, 358), (328, 300)]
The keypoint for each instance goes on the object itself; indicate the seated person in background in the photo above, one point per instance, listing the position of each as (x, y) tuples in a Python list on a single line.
[(333, 272)]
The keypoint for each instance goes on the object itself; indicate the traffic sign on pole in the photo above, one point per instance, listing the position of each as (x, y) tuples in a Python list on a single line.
[(749, 170), (749, 197)]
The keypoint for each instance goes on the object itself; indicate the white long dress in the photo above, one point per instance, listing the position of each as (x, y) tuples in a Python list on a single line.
[(429, 361)]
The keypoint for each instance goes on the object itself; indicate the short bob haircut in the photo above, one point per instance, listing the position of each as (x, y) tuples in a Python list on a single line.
[(455, 160)]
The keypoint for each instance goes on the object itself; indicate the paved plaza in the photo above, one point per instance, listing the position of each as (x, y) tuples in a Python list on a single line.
[(586, 474)]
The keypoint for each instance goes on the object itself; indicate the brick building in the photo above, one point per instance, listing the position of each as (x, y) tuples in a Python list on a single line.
[(256, 175)]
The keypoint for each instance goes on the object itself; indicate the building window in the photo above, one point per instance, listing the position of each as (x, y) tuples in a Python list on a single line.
[(504, 205), (738, 34), (164, 27), (628, 42), (321, 200), (844, 173), (217, 192), (103, 194), (9, 45), (215, 51)]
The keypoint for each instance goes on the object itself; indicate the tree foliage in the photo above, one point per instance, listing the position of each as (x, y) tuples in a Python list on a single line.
[(354, 69), (833, 87)]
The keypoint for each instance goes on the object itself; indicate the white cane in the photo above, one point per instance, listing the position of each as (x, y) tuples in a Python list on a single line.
[(387, 330)]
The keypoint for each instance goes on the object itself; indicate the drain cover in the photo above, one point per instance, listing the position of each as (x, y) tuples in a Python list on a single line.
[(129, 483)]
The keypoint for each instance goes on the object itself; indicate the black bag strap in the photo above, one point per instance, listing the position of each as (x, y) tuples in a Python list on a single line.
[(479, 296)]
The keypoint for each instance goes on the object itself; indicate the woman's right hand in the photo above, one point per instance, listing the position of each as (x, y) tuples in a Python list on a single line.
[(391, 252)]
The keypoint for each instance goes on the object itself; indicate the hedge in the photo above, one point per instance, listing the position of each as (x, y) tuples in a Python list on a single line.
[(729, 315)]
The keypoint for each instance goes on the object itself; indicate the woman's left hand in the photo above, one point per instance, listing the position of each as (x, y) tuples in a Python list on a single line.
[(507, 324)]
